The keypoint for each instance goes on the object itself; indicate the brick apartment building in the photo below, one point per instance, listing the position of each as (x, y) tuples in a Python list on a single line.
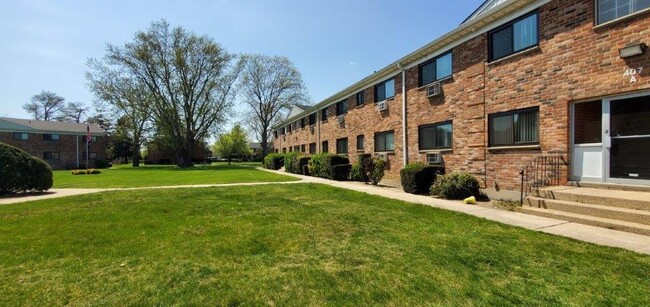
[(61, 145), (518, 79)]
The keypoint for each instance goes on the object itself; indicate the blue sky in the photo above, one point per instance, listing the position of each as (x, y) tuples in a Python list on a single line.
[(334, 43)]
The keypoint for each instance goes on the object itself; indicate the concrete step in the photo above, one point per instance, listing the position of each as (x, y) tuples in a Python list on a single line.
[(610, 186), (589, 220), (614, 198), (608, 212)]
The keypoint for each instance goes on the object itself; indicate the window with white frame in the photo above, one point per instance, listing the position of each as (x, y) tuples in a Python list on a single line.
[(609, 10)]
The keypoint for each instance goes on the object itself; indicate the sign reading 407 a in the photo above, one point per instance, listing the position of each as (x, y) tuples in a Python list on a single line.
[(633, 74)]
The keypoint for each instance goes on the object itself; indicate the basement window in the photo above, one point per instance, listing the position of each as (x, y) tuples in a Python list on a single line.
[(514, 37)]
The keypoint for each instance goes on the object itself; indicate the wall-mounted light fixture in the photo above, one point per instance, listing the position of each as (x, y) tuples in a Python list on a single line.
[(632, 50)]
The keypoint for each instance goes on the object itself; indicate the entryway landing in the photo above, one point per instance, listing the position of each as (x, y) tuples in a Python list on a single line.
[(609, 207)]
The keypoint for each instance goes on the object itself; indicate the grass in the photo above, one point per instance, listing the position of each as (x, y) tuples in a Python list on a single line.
[(302, 244), (125, 176)]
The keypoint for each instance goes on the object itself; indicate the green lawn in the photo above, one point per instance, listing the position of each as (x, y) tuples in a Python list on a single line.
[(125, 176), (301, 244)]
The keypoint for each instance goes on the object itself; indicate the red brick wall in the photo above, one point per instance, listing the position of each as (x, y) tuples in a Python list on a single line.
[(66, 146), (575, 61)]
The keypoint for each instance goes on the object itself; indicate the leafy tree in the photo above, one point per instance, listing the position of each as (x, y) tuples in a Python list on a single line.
[(232, 144), (121, 143), (73, 112), (45, 106), (270, 85), (190, 77), (125, 97)]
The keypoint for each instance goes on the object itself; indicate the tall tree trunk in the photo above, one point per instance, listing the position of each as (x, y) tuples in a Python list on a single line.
[(136, 155), (265, 149), (185, 155)]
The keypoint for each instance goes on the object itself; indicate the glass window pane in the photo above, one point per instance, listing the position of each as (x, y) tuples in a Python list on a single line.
[(501, 130), (390, 141), (641, 5), (443, 136), (525, 127), (380, 92), (427, 73), (630, 117), (443, 66), (588, 123), (525, 33), (427, 138), (390, 88), (501, 43)]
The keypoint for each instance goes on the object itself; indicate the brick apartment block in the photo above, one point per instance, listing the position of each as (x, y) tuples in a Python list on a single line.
[(557, 64), (61, 145)]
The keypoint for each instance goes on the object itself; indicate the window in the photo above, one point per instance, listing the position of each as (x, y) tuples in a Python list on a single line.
[(312, 148), (323, 115), (51, 137), (21, 136), (360, 142), (284, 150), (385, 90), (283, 130), (436, 69), (277, 151), (325, 146), (93, 139), (341, 107), (342, 146), (514, 37), (302, 148), (385, 141), (303, 122), (435, 136), (92, 156), (361, 99), (609, 10), (312, 119), (519, 127), (289, 128), (296, 148), (275, 133), (51, 156)]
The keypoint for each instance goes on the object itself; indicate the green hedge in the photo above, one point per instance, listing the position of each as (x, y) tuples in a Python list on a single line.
[(274, 161), (377, 171), (102, 164), (417, 178), (321, 165), (456, 186), (365, 167), (300, 163), (22, 172), (340, 172), (290, 160)]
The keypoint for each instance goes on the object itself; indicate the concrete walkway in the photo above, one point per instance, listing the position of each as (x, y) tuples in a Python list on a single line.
[(592, 234)]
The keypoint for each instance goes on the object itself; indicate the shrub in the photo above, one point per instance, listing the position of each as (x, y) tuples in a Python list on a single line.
[(340, 172), (290, 162), (321, 165), (365, 167), (274, 161), (79, 172), (305, 170), (94, 172), (355, 173), (456, 186), (22, 172), (417, 178), (377, 173), (102, 164), (299, 163)]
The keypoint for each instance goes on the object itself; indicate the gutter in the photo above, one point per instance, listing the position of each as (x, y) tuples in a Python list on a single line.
[(405, 150)]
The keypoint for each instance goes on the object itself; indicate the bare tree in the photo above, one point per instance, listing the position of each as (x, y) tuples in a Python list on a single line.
[(127, 98), (74, 112), (191, 77), (45, 106), (270, 86)]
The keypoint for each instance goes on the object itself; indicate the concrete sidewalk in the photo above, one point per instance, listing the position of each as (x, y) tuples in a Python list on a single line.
[(592, 234)]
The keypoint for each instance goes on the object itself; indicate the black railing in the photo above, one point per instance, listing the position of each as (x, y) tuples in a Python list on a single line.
[(543, 171)]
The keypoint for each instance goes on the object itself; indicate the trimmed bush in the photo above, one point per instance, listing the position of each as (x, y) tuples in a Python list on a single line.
[(417, 178), (456, 186), (22, 172), (377, 172), (94, 172), (365, 167), (290, 162), (355, 173), (86, 172), (305, 170), (321, 165), (274, 161), (340, 172), (299, 163), (102, 164)]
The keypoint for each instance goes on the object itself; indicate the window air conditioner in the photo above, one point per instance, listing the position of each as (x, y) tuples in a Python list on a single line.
[(382, 106), (434, 89)]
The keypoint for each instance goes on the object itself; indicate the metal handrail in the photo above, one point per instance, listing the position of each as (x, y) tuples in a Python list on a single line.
[(542, 171)]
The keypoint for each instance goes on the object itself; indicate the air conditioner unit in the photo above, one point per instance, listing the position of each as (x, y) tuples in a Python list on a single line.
[(340, 119), (434, 89), (311, 128), (434, 158), (382, 106), (382, 155)]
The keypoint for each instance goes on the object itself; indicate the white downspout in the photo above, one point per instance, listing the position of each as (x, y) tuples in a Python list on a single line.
[(77, 151), (404, 117)]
